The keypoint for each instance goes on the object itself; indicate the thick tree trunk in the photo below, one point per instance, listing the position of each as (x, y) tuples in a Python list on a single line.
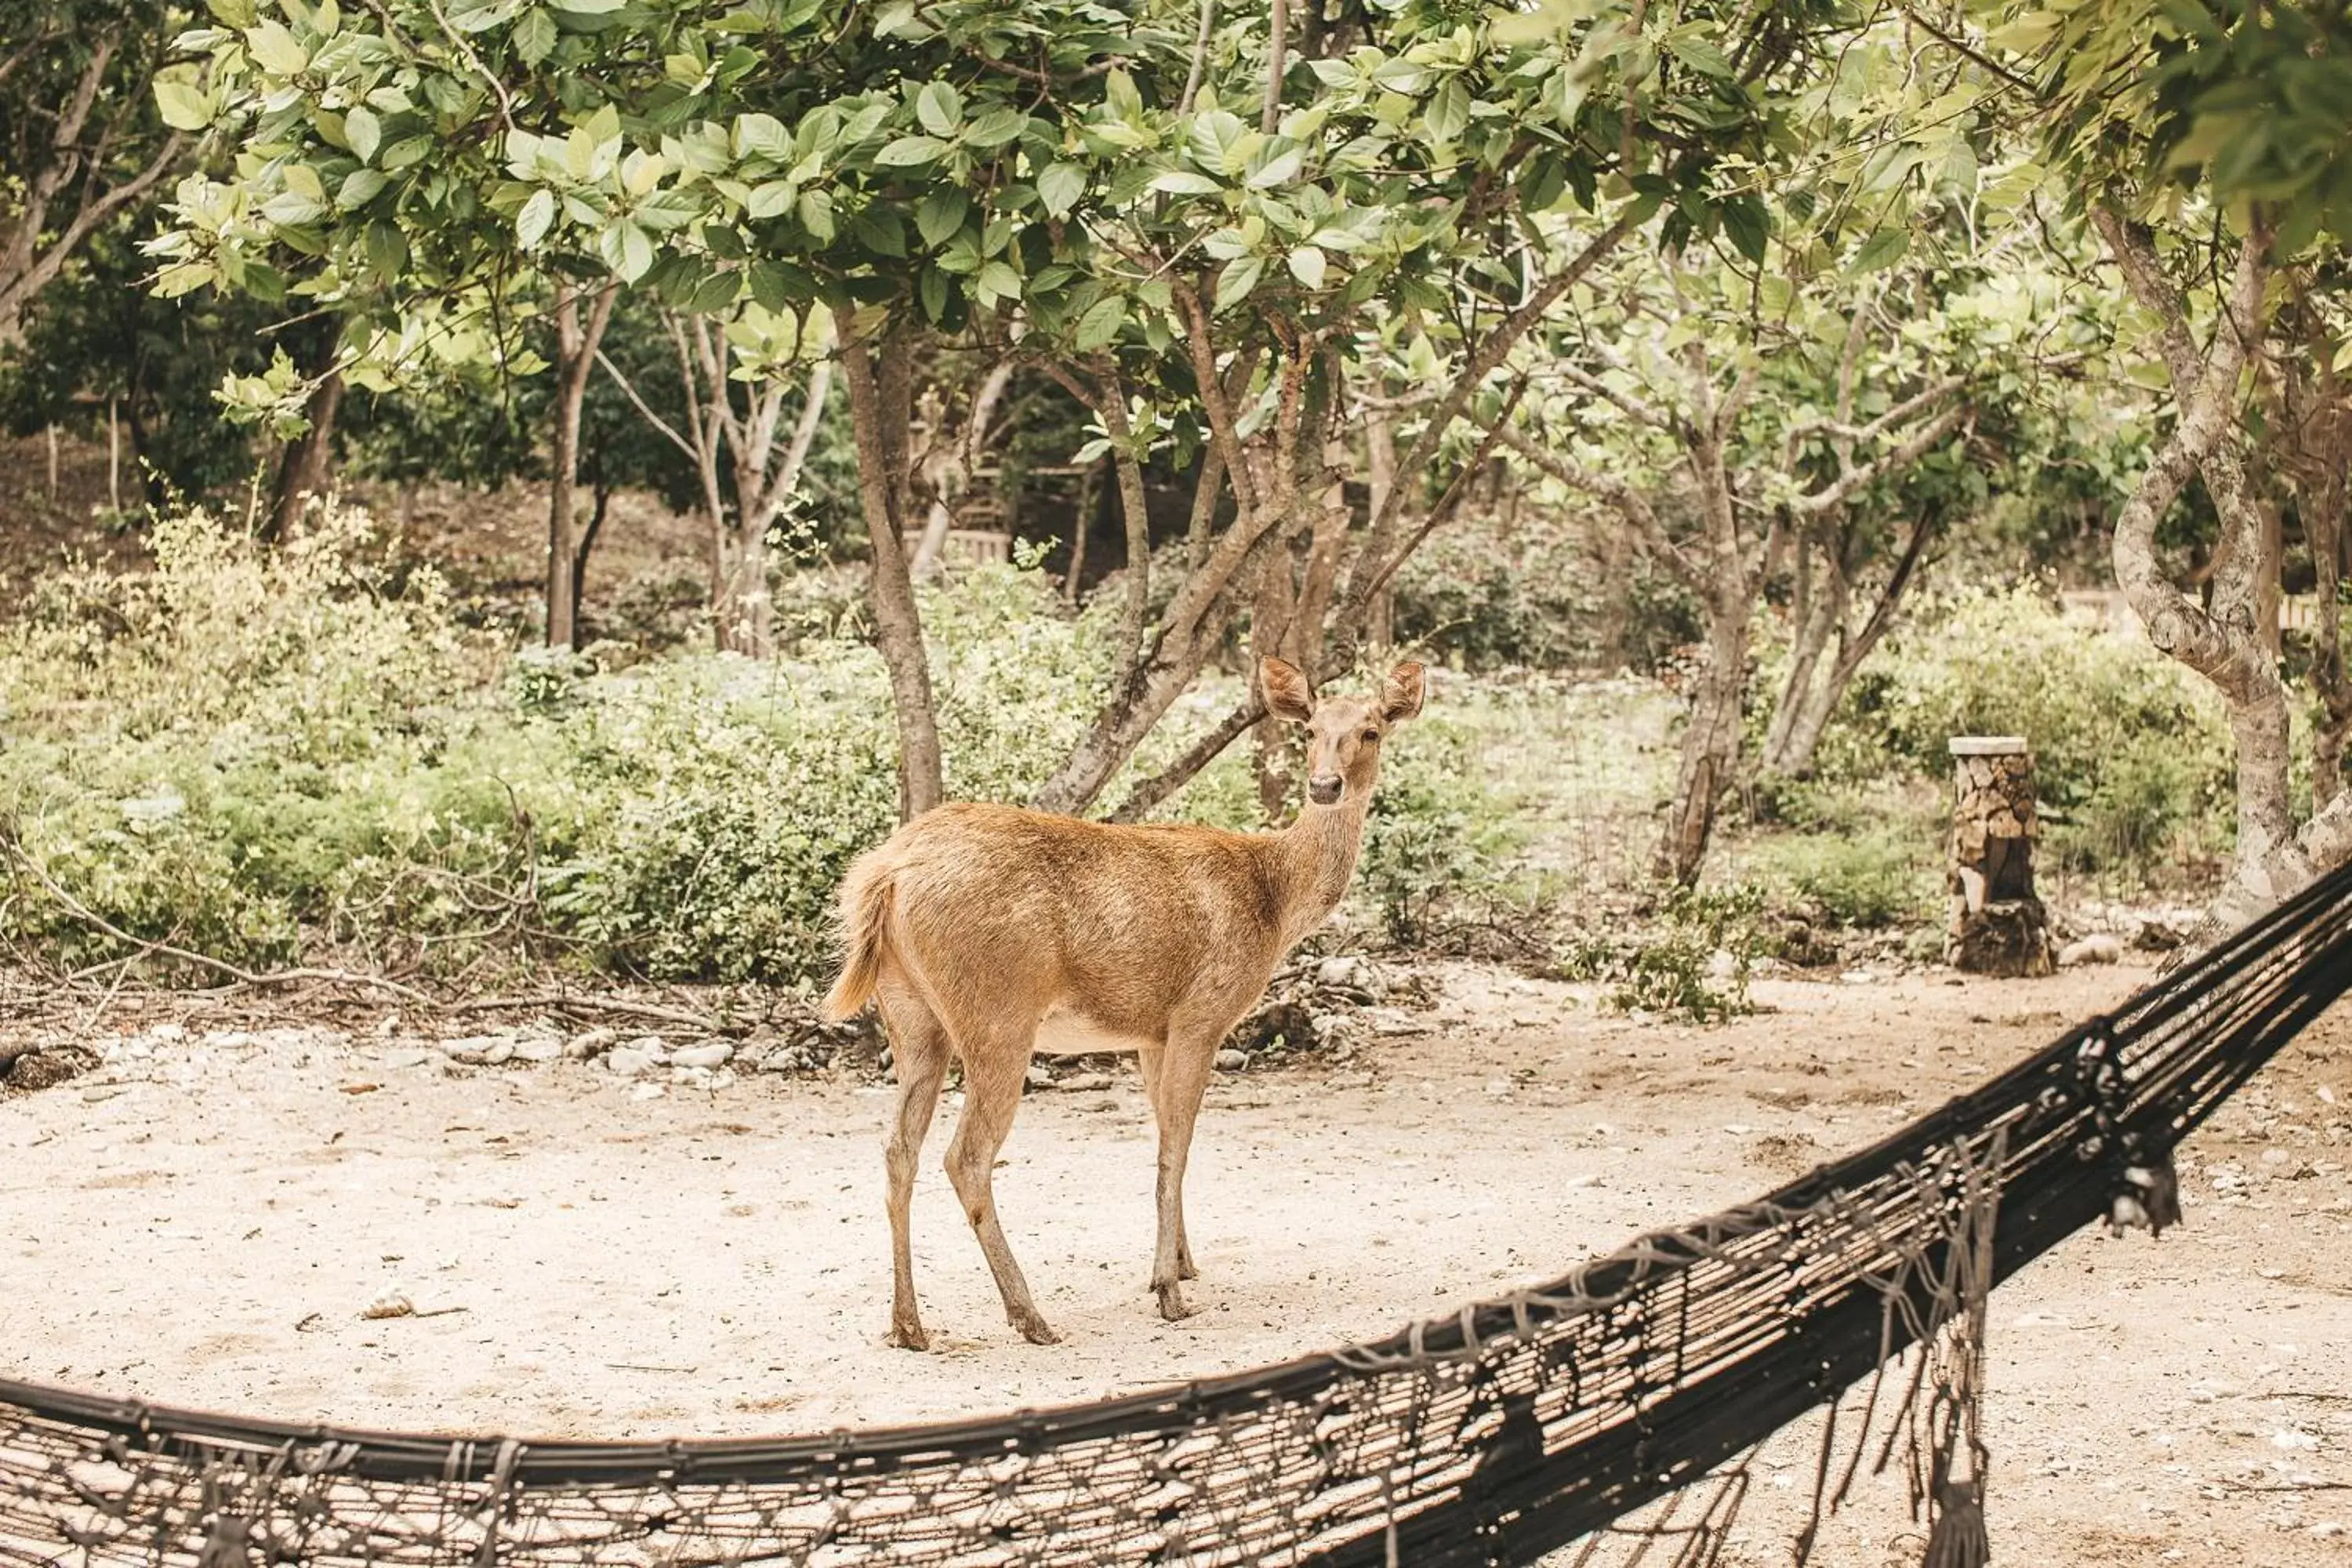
[(880, 406), (576, 342), (306, 467)]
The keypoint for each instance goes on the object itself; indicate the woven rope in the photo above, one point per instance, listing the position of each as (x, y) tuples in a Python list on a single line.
[(1619, 1404)]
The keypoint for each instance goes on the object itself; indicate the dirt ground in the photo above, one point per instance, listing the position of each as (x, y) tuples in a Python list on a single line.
[(204, 1218)]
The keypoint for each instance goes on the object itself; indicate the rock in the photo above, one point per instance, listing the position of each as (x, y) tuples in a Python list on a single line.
[(539, 1050), (629, 1061), (788, 1059), (1334, 1031), (1080, 1082), (408, 1058), (1345, 973), (479, 1050), (1040, 1076), (709, 1054), (1232, 1060), (2097, 948), (391, 1305), (590, 1043)]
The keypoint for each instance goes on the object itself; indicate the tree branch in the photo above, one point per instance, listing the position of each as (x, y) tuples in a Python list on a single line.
[(1628, 500)]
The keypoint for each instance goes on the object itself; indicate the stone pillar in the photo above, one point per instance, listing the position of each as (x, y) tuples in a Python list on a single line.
[(1998, 926)]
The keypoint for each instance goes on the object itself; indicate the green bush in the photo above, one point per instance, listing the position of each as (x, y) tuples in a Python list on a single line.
[(2132, 754), (1880, 876), (1673, 967), (265, 755)]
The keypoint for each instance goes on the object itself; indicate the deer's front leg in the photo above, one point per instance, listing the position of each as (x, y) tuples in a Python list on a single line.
[(1147, 1058), (1184, 1078)]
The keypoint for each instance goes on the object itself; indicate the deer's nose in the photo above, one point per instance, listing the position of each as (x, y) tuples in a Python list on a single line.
[(1323, 789)]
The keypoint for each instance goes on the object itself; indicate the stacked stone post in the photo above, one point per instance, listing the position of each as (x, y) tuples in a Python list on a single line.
[(1997, 925)]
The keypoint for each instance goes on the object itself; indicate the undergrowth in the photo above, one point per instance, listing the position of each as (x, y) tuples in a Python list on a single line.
[(272, 755)]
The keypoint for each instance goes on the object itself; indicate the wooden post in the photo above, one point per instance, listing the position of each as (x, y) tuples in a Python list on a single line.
[(1997, 925)]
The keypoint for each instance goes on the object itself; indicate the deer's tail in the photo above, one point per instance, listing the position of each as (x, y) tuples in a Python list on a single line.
[(866, 902)]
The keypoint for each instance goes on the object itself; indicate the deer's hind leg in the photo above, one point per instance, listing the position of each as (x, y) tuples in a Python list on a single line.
[(995, 1065), (918, 1052)]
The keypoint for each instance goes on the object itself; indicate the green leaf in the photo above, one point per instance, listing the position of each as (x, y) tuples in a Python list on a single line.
[(532, 222), (1449, 111), (388, 249), (1234, 283), (1101, 323), (1748, 226), (590, 7), (908, 152), (768, 288), (1882, 250), (934, 288), (1700, 55), (1307, 264), (816, 209), (1000, 280), (275, 48), (184, 108), (996, 127), (940, 214), (940, 108), (534, 37), (772, 200), (1060, 187), (360, 187), (628, 250), (364, 131), (763, 136), (1184, 183), (236, 13)]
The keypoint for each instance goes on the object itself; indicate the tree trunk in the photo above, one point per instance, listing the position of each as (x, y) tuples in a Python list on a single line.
[(576, 342), (306, 468), (587, 545), (1710, 750), (1816, 700), (1815, 613), (2222, 640), (1381, 477), (880, 407)]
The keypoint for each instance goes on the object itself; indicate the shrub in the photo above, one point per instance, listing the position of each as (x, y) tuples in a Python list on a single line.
[(1881, 877), (258, 754), (1696, 964), (2132, 754)]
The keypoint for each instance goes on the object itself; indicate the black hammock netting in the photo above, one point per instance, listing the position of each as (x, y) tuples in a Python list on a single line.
[(1589, 1408)]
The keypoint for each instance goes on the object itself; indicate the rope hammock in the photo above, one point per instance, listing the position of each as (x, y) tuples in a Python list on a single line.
[(1617, 1406)]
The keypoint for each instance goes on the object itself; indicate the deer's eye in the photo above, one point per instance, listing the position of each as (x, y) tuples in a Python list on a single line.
[(1371, 734)]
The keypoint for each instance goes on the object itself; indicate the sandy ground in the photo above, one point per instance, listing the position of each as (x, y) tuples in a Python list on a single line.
[(202, 1221)]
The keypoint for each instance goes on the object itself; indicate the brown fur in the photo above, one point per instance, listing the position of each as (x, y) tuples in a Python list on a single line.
[(975, 927)]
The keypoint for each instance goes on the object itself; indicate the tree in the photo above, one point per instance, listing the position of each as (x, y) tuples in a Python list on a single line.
[(2204, 144), (1675, 380), (1411, 166), (82, 141)]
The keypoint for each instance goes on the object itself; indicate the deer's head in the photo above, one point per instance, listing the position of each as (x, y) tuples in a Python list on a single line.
[(1343, 733)]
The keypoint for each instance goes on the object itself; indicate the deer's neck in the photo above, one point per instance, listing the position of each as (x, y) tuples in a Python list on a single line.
[(1318, 855)]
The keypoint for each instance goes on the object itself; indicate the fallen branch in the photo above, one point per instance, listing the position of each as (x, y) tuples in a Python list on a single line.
[(619, 1005), (244, 976)]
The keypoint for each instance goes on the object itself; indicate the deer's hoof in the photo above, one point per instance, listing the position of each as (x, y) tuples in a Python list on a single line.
[(1171, 1304), (1036, 1333), (1186, 1268), (909, 1337)]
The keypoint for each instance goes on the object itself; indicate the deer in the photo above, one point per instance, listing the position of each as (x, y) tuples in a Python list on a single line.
[(981, 932)]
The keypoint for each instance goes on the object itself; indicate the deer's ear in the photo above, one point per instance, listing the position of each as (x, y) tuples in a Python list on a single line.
[(1400, 692), (1284, 684)]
